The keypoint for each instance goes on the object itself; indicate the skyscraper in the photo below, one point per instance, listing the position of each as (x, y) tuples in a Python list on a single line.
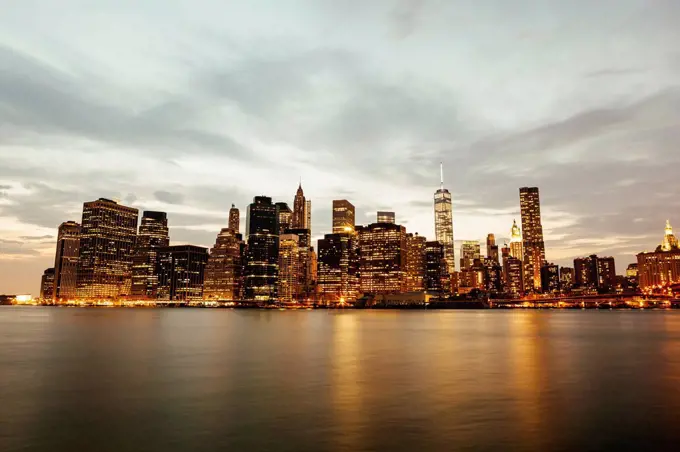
[(585, 269), (343, 216), (234, 219), (550, 278), (670, 242), (66, 261), (338, 267), (262, 259), (516, 245), (469, 252), (492, 248), (443, 223), (299, 210), (513, 270), (385, 217), (153, 234), (566, 278), (606, 273), (181, 272), (436, 267), (532, 230), (415, 262), (382, 258), (107, 240), (289, 268), (308, 215), (285, 216), (47, 285), (224, 270)]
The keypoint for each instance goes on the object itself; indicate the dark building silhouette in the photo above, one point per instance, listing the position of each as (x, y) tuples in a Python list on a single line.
[(47, 285), (153, 234), (107, 239), (300, 210), (66, 261), (435, 266), (606, 274), (585, 269), (181, 271), (262, 268), (550, 278), (285, 217), (338, 267), (234, 219)]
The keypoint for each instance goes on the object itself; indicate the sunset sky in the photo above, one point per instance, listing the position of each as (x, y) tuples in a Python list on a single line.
[(190, 106)]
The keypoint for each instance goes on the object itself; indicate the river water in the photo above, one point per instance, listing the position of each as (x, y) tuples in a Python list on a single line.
[(79, 379)]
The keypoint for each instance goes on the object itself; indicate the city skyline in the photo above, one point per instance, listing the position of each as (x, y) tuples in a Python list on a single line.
[(233, 103)]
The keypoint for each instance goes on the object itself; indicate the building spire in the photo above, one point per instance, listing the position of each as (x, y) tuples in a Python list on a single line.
[(441, 175)]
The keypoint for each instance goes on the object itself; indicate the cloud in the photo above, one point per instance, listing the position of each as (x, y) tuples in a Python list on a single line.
[(168, 197), (405, 16), (30, 238)]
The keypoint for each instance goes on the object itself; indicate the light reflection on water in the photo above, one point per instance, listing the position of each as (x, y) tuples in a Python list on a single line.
[(183, 379)]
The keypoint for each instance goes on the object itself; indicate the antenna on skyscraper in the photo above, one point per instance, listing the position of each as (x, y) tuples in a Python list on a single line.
[(441, 173)]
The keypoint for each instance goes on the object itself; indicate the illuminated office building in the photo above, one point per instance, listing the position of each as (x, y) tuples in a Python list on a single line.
[(661, 268), (416, 247), (443, 223), (107, 240), (382, 258), (66, 261), (224, 270), (262, 258), (492, 248), (567, 278), (514, 271), (469, 252), (181, 273), (153, 234), (385, 217), (436, 267), (343, 216), (585, 272), (47, 285), (289, 268), (338, 267), (234, 219), (308, 215), (516, 245), (550, 278), (606, 273), (532, 230), (285, 216), (493, 275)]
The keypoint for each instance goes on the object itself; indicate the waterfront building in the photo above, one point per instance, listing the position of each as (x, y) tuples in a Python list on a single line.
[(224, 269), (181, 273), (234, 219), (416, 267), (47, 285), (567, 278), (532, 235), (285, 217), (66, 261), (382, 258), (585, 269), (670, 242), (469, 252), (338, 267), (107, 240), (443, 223), (153, 234), (436, 267), (262, 258), (606, 274), (385, 217), (289, 268), (343, 216), (493, 275), (514, 272), (550, 278), (660, 269)]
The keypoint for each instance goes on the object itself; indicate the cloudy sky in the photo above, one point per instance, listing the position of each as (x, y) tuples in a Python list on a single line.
[(189, 106)]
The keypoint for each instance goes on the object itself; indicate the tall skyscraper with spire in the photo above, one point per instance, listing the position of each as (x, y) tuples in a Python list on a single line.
[(532, 233), (516, 245), (234, 219), (443, 222), (299, 209)]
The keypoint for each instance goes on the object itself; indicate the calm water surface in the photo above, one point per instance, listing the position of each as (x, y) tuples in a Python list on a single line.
[(201, 380)]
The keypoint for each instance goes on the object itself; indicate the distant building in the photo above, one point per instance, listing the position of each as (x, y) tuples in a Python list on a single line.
[(660, 269), (382, 258), (469, 251), (343, 216), (107, 240), (224, 269), (66, 261), (385, 217), (47, 285), (443, 223), (493, 275), (492, 248), (513, 270), (338, 267), (153, 234), (415, 262), (550, 278), (181, 273), (567, 278), (289, 268), (285, 216), (234, 219), (262, 259), (435, 267), (532, 234), (585, 269), (632, 275), (308, 215), (606, 274), (516, 244), (299, 210)]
